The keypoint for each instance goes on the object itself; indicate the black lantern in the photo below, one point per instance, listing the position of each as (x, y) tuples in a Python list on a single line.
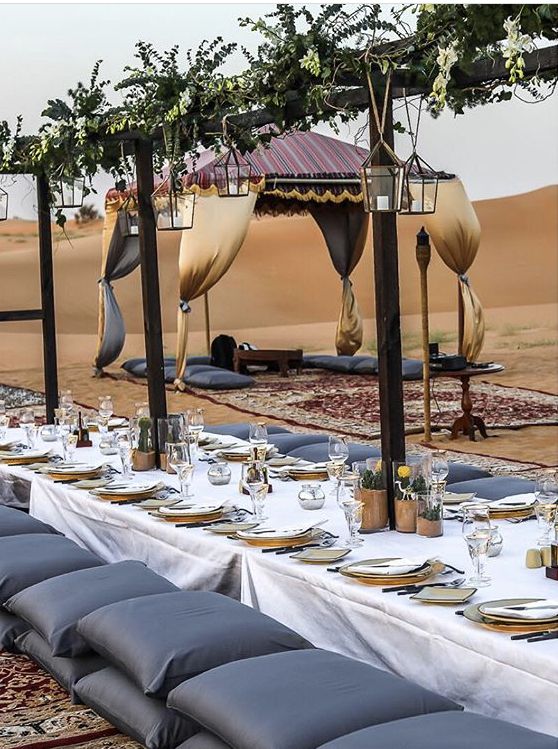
[(382, 176), (420, 190), (232, 175), (128, 217), (173, 205), (3, 205), (67, 192)]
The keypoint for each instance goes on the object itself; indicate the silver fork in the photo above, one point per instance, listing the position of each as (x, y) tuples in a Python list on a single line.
[(417, 588)]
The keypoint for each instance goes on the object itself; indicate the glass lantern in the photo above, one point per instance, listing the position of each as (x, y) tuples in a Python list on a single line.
[(67, 192), (3, 205), (173, 205), (232, 175), (382, 176), (128, 217), (420, 190)]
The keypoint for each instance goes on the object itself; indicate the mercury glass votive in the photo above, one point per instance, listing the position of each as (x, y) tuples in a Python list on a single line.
[(219, 474), (48, 433)]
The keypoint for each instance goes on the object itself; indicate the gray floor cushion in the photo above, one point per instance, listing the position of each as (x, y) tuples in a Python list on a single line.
[(319, 453), (204, 740), (465, 472), (10, 629), (15, 492), (449, 730), (344, 364), (495, 487), (53, 607), (16, 522), (66, 671), (145, 719), (411, 369), (298, 700), (201, 631), (27, 559), (369, 366), (285, 443), (215, 378), (242, 430)]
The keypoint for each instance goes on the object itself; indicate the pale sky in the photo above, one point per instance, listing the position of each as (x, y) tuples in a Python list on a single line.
[(45, 49)]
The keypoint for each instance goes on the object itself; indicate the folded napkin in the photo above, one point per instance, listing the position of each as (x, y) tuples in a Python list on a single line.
[(287, 531), (190, 510), (535, 610), (514, 501), (395, 567)]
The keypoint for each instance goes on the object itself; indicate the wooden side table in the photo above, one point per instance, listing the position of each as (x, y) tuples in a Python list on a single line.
[(468, 422), (285, 359)]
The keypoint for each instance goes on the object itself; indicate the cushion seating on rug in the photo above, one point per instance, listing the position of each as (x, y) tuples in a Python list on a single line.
[(66, 671), (411, 369), (147, 720), (201, 630), (285, 443), (204, 740), (242, 430), (320, 453), (341, 363), (15, 493), (448, 730), (29, 558), (11, 627), (53, 607), (215, 378), (495, 487), (298, 700), (457, 471), (138, 365), (15, 522)]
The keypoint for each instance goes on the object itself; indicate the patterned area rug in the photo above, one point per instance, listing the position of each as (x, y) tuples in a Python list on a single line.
[(350, 403), (15, 397), (36, 713)]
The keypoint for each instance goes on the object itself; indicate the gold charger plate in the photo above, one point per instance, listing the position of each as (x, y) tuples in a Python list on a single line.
[(21, 461), (115, 497), (444, 596), (504, 514), (320, 556), (74, 476), (234, 457), (499, 619), (273, 542), (307, 476), (227, 529), (407, 577), (473, 614), (189, 518)]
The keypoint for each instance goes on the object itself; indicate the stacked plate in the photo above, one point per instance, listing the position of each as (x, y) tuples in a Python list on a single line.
[(190, 513), (388, 571), (77, 471), (515, 614), (241, 454), (310, 472), (271, 537), (521, 506), (129, 491), (456, 499), (23, 458)]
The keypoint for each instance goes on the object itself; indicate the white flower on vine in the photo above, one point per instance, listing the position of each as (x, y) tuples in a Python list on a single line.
[(311, 61), (515, 45), (447, 57)]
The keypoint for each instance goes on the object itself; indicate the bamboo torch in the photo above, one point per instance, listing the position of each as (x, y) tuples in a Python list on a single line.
[(423, 259), (207, 324)]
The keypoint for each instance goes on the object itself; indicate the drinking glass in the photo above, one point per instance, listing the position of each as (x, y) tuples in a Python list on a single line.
[(338, 451), (2, 407), (106, 410), (125, 452), (476, 532), (335, 472), (546, 493), (193, 424), (440, 467), (178, 458), (254, 479), (4, 424), (352, 509), (66, 400), (71, 443), (258, 439), (27, 422)]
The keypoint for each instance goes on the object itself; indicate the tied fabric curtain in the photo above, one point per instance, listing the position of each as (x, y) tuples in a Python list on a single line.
[(120, 256), (455, 231), (345, 227), (206, 253)]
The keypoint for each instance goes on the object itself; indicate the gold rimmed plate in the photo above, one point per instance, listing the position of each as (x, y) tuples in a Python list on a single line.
[(320, 556), (228, 528), (307, 475), (276, 541), (507, 619), (130, 492), (413, 576), (456, 499), (518, 626), (22, 459), (189, 518), (444, 596)]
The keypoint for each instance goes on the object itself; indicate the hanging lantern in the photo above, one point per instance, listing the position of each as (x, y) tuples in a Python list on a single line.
[(128, 216), (3, 205), (67, 192), (232, 175), (420, 190), (382, 176), (173, 205)]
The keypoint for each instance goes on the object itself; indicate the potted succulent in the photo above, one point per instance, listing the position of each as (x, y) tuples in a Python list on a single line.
[(408, 482), (143, 456), (430, 514), (373, 495)]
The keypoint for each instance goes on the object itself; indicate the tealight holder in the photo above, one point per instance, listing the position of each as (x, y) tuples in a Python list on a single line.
[(219, 474)]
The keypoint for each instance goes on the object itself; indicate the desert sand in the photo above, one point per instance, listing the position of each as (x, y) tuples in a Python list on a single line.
[(282, 291)]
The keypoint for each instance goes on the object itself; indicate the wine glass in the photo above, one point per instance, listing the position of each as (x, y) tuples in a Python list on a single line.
[(476, 532), (27, 422), (125, 452), (546, 493), (335, 473), (337, 449), (4, 424), (440, 468), (178, 458), (258, 440), (66, 400), (71, 443), (193, 424), (106, 410), (254, 479), (352, 509)]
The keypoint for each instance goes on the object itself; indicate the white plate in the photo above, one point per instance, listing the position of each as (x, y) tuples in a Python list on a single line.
[(394, 567), (25, 454), (75, 469), (272, 533), (130, 489), (191, 510)]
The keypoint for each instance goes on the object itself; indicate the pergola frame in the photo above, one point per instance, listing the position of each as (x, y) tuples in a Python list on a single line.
[(353, 95)]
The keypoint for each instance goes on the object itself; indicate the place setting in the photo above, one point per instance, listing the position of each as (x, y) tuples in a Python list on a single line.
[(516, 616)]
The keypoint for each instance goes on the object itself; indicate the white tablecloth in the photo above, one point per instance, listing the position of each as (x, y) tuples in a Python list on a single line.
[(483, 670)]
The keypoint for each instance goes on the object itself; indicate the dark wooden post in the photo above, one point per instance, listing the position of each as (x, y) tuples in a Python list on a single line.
[(47, 297), (152, 325), (388, 327)]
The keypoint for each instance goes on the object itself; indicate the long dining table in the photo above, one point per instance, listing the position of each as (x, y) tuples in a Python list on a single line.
[(483, 670)]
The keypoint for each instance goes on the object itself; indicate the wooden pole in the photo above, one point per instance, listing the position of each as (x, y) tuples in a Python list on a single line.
[(207, 323), (152, 324), (47, 297), (424, 254), (388, 327)]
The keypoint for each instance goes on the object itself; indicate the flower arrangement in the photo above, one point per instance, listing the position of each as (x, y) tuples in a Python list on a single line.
[(409, 482)]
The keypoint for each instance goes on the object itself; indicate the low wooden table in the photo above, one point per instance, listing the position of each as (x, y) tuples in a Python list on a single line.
[(467, 423), (284, 359)]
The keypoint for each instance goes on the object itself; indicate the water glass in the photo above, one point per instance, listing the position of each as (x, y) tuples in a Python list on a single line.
[(254, 479), (71, 440), (546, 494), (66, 400), (440, 467), (335, 473), (4, 424), (106, 410), (258, 439), (337, 449), (178, 458), (476, 532), (193, 424), (125, 452)]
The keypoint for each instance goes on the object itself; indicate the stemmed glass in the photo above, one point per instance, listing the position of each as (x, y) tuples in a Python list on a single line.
[(254, 479), (106, 410), (4, 424), (338, 455), (258, 440), (352, 509), (193, 423), (546, 493), (440, 468), (27, 421), (66, 400), (178, 458), (476, 532), (125, 450)]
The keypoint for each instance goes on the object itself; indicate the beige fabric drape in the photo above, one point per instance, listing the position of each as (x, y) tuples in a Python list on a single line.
[(206, 253), (455, 231)]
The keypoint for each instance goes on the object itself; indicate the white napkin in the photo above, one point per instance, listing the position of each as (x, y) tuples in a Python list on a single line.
[(191, 510), (129, 488), (533, 610), (287, 531), (514, 501), (395, 567)]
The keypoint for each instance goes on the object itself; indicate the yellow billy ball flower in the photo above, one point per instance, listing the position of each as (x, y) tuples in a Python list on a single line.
[(403, 472)]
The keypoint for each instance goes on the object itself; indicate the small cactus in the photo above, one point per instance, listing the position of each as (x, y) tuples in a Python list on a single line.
[(144, 437)]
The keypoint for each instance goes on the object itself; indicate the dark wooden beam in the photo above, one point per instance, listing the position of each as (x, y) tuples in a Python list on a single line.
[(47, 297), (153, 329), (388, 329), (17, 315)]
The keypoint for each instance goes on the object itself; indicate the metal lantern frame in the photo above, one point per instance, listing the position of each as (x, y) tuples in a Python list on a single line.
[(3, 205), (68, 192), (128, 216), (420, 192), (382, 177), (173, 205), (232, 175)]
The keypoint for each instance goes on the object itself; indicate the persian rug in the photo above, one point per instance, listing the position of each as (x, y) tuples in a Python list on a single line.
[(36, 713), (16, 397)]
